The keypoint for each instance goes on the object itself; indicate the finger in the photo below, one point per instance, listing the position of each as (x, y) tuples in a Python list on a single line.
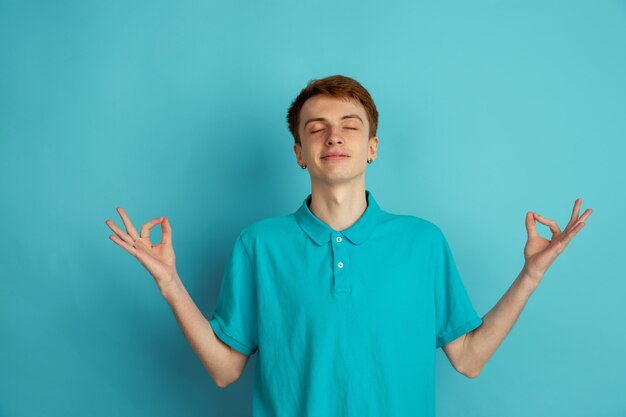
[(167, 232), (575, 212), (123, 235), (128, 224), (530, 225), (572, 232), (128, 248), (554, 228), (585, 215), (145, 229)]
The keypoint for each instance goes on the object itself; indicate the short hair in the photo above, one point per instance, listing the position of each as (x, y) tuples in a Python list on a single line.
[(337, 86)]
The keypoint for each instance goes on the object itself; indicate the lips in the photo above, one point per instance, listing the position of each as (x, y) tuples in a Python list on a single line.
[(334, 155)]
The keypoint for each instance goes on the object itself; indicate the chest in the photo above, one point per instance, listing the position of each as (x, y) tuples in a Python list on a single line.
[(382, 279)]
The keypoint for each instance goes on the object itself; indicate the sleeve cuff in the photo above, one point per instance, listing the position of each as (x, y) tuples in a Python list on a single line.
[(240, 347), (458, 332)]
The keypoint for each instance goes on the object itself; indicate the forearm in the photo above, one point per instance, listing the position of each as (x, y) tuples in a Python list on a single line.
[(483, 341), (214, 354)]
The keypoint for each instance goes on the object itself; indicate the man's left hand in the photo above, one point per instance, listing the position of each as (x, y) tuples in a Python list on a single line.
[(539, 253)]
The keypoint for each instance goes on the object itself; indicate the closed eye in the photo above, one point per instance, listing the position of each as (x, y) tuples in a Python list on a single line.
[(350, 128)]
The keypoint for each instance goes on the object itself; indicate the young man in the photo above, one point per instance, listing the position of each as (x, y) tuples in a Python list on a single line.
[(344, 302)]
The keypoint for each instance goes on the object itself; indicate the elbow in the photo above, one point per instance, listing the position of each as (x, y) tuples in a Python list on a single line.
[(223, 382), (468, 371), (220, 383), (469, 368), (471, 373)]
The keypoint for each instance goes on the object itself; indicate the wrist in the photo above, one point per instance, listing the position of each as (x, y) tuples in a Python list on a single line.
[(532, 279), (171, 286)]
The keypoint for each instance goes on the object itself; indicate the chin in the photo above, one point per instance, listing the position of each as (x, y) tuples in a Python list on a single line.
[(337, 178)]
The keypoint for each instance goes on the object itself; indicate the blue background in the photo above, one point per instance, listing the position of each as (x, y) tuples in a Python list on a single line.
[(488, 109)]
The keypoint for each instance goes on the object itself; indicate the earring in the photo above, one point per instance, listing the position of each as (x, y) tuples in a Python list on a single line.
[(303, 166), (369, 161)]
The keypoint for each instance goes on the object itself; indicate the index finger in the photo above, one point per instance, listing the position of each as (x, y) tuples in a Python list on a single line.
[(145, 229), (130, 229), (554, 227)]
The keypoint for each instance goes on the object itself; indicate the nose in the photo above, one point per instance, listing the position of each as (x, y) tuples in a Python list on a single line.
[(334, 137)]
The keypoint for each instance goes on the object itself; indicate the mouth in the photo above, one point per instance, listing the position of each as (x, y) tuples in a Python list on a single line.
[(338, 156)]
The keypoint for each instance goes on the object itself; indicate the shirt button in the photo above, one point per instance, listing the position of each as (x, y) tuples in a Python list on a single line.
[(340, 264), (338, 239)]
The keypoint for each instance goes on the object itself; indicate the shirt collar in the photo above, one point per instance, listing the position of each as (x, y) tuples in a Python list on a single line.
[(321, 233)]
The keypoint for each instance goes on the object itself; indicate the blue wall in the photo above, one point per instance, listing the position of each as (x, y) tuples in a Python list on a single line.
[(488, 109)]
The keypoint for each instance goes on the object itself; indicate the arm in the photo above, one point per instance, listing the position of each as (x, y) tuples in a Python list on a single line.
[(224, 364), (470, 352)]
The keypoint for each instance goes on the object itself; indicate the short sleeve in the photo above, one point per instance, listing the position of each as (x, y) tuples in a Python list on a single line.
[(454, 312), (234, 320)]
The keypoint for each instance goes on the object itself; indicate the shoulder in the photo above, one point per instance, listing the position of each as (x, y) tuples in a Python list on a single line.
[(406, 223), (269, 229)]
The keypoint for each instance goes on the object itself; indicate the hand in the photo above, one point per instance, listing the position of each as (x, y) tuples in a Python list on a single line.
[(158, 259), (539, 253)]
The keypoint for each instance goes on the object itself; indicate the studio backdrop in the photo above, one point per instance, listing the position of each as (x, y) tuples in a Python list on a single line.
[(487, 110)]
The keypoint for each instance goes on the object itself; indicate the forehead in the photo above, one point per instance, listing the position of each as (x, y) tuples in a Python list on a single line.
[(330, 108)]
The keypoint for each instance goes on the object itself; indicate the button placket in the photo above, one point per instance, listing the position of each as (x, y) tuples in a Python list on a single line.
[(340, 265)]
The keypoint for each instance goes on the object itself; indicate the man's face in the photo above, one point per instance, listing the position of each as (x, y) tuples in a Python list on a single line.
[(330, 126)]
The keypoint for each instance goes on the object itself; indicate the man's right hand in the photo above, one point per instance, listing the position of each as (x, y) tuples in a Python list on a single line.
[(158, 259)]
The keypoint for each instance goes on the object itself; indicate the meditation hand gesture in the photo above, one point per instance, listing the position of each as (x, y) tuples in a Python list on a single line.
[(158, 259), (539, 253)]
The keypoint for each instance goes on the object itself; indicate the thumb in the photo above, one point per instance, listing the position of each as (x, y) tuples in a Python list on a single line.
[(530, 225)]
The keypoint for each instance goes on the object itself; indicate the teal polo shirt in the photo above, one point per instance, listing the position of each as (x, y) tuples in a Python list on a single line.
[(345, 323)]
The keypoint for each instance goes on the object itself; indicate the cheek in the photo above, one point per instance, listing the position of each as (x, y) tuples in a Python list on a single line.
[(306, 152)]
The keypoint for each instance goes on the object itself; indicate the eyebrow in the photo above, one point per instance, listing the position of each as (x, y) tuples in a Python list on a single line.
[(322, 119)]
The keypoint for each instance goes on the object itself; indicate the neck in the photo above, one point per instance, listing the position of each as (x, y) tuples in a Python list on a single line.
[(338, 206)]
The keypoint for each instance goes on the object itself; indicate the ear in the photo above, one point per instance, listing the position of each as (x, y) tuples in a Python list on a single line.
[(297, 149), (373, 147)]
